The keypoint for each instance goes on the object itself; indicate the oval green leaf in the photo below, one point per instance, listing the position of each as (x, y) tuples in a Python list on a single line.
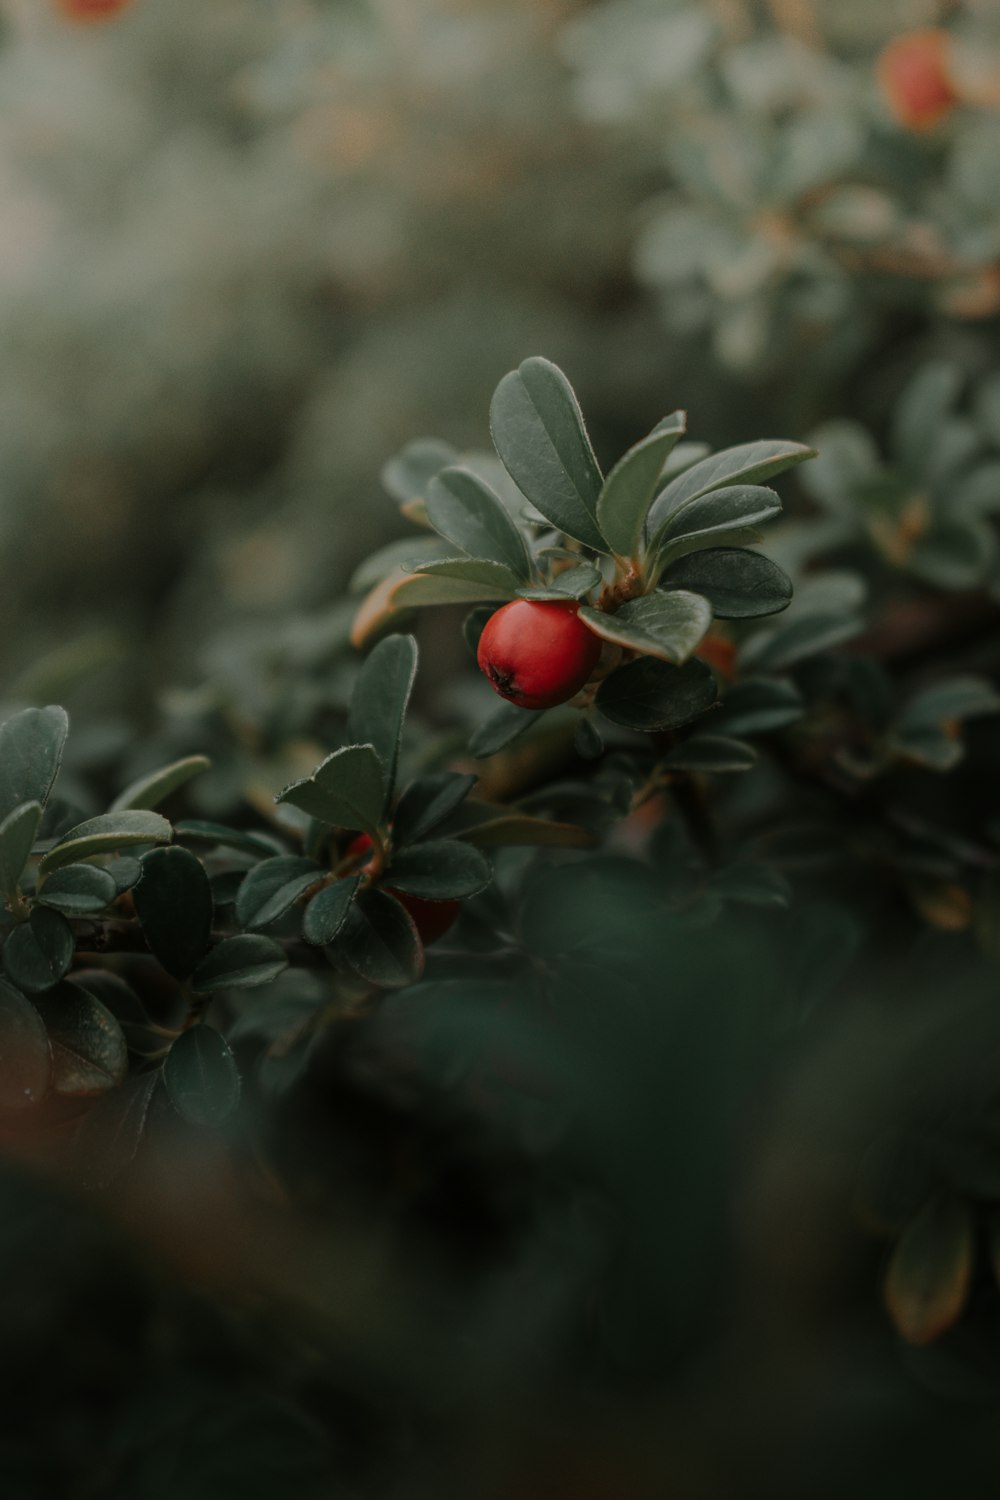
[(149, 791), (89, 1052), (201, 1077), (379, 702), (239, 963), (39, 952), (25, 1057), (629, 489), (748, 463), (173, 901), (271, 889), (78, 890), (31, 750), (427, 802), (464, 510), (327, 911), (667, 626), (648, 695), (17, 836), (104, 834), (739, 585), (380, 942), (441, 870), (346, 790)]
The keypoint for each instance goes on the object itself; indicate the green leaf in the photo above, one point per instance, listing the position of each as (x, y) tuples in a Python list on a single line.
[(477, 572), (201, 1076), (571, 583), (17, 837), (104, 834), (31, 750), (408, 554), (949, 702), (739, 585), (149, 791), (587, 739), (271, 889), (347, 790), (25, 1057), (488, 827), (711, 752), (407, 476), (538, 431), (503, 726), (327, 911), (78, 890), (173, 901), (89, 1053), (647, 694), (109, 1133), (759, 705), (441, 870), (956, 554), (391, 601), (931, 1268), (925, 404), (197, 830), (629, 489), (40, 951), (795, 640), (379, 702), (464, 510), (752, 884), (747, 464), (721, 514), (668, 626), (239, 963), (380, 942), (426, 803)]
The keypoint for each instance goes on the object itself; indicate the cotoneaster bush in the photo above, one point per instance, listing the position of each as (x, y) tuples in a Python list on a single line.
[(498, 1001)]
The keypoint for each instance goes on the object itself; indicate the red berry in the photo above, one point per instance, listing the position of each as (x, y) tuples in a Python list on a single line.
[(91, 10), (432, 919), (913, 73), (537, 652)]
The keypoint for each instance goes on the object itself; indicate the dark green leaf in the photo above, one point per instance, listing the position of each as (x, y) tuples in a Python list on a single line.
[(629, 489), (504, 725), (739, 585), (272, 888), (379, 702), (921, 410), (40, 951), (752, 885), (930, 1270), (427, 802), (31, 749), (489, 827), (198, 831), (380, 943), (572, 583), (239, 963), (89, 1054), (173, 901), (711, 752), (109, 1133), (125, 871), (78, 890), (327, 911), (201, 1076), (539, 433), (104, 834), (748, 464), (490, 579), (442, 870), (795, 640), (149, 791), (758, 705), (648, 694), (956, 555), (463, 509), (25, 1058), (406, 555), (668, 626), (720, 516), (17, 836), (346, 791), (949, 702)]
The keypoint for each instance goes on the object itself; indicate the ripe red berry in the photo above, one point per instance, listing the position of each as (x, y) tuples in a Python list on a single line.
[(913, 73), (91, 10), (432, 919), (537, 652)]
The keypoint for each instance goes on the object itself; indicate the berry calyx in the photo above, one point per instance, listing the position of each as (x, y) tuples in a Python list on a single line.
[(537, 652), (91, 10), (914, 76), (432, 919)]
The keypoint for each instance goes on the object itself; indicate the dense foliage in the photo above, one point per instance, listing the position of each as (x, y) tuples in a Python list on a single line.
[(408, 1092)]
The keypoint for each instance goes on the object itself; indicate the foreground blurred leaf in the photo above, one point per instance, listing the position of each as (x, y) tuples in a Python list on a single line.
[(25, 1057), (149, 791), (108, 1136), (930, 1270)]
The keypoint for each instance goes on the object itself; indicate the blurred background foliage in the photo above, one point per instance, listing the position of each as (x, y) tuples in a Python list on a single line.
[(249, 249)]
